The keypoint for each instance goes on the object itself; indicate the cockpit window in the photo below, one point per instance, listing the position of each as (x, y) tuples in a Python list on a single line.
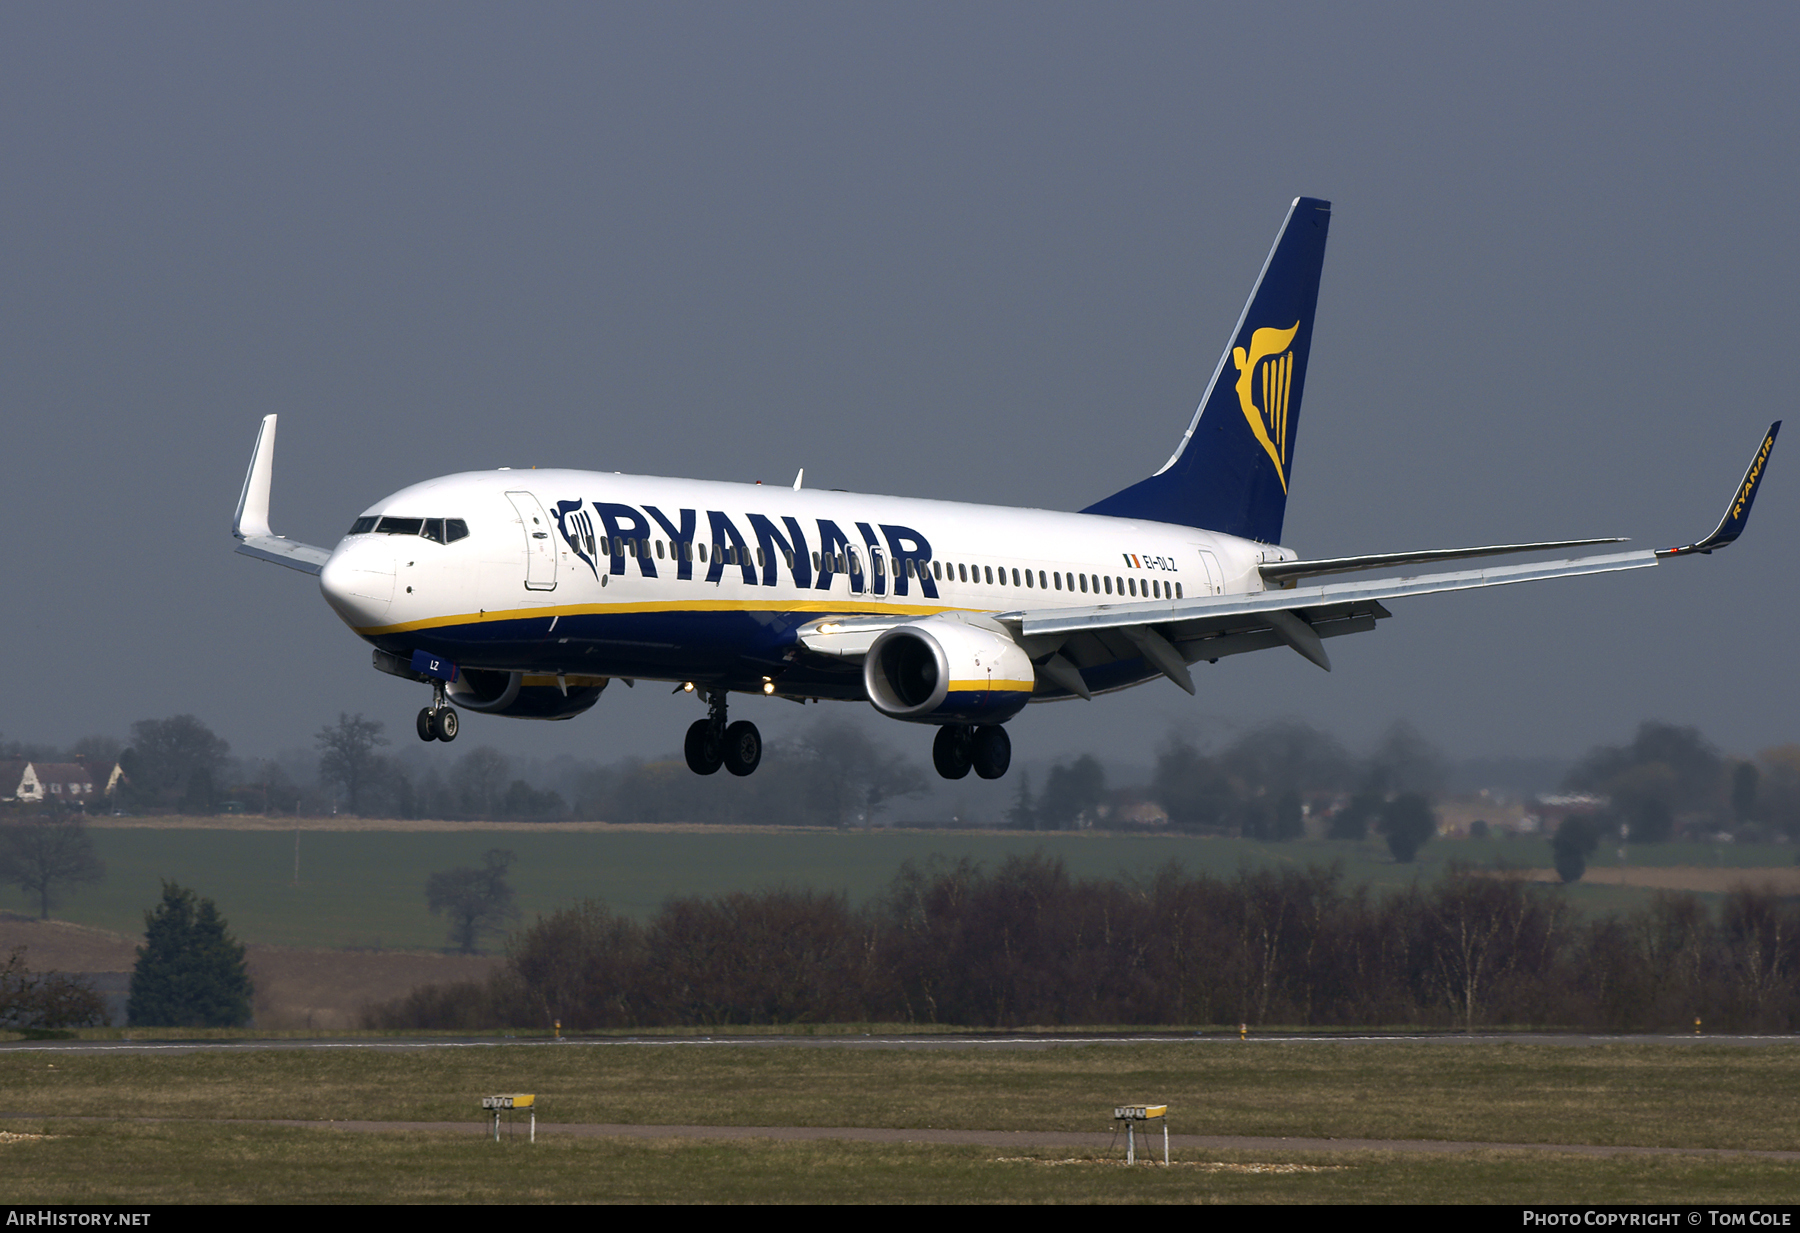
[(438, 530)]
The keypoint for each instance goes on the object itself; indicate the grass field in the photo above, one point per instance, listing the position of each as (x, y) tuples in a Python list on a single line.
[(1645, 1095), (364, 887)]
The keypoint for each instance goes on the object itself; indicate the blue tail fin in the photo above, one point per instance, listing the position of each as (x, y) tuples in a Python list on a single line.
[(1231, 471)]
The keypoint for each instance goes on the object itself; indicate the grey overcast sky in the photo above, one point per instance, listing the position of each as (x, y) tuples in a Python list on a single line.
[(970, 251)]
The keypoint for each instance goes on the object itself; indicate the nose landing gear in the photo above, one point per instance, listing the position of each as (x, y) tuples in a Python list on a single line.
[(438, 721), (712, 743)]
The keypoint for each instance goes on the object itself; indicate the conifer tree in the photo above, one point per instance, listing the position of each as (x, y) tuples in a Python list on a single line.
[(190, 972)]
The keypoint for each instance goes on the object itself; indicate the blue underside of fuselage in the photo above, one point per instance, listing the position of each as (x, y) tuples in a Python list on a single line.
[(730, 650)]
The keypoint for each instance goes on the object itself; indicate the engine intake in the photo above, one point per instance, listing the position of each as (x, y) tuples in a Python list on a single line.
[(939, 670)]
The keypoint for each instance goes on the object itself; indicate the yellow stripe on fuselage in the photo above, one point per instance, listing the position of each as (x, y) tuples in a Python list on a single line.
[(856, 607)]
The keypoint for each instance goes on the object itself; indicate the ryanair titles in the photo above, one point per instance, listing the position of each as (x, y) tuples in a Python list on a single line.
[(1748, 487), (613, 538), (887, 559)]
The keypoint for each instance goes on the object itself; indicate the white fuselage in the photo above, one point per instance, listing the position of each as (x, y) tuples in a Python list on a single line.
[(618, 575)]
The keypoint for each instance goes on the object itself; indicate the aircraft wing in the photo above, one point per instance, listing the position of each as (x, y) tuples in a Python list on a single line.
[(1171, 634), (251, 526), (1287, 573), (279, 549)]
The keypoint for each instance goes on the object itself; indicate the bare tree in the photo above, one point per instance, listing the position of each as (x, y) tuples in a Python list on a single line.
[(174, 763), (46, 855), (477, 901), (347, 754), (46, 999), (479, 780)]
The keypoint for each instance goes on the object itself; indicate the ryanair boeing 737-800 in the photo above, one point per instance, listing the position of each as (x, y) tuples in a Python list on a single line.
[(524, 593)]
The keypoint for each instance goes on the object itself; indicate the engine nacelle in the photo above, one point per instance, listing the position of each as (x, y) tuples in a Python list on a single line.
[(520, 695), (939, 670)]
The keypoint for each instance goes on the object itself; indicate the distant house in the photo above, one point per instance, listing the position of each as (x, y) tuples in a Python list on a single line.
[(18, 782), (69, 782), (1548, 812), (1128, 809)]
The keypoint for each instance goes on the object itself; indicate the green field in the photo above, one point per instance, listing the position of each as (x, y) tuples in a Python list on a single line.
[(365, 888), (1699, 1096)]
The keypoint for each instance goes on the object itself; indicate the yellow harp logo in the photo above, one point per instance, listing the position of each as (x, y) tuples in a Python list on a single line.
[(1271, 365)]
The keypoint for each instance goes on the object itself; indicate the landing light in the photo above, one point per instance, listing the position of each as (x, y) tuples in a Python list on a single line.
[(768, 686), (687, 687)]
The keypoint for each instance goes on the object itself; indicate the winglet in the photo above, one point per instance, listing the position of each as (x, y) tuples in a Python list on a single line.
[(253, 503), (252, 522), (1737, 514)]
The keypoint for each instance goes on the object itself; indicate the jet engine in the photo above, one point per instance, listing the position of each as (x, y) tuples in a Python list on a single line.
[(521, 695), (940, 670)]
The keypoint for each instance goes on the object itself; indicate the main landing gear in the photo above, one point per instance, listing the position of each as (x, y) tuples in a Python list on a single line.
[(958, 749), (712, 743), (438, 722)]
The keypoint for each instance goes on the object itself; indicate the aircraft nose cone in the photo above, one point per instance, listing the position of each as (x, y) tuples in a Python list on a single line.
[(358, 582)]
